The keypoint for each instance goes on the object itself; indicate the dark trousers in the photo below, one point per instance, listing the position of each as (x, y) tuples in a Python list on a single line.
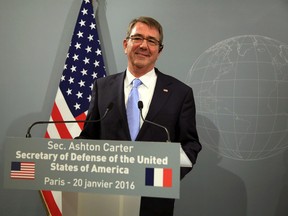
[(150, 206)]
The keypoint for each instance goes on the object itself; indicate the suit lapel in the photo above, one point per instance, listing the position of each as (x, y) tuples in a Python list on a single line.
[(120, 95), (161, 94), (117, 88)]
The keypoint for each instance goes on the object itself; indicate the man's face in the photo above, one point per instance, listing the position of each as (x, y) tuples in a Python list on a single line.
[(142, 55)]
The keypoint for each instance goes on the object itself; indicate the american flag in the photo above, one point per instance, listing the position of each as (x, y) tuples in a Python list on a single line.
[(84, 64), (22, 170)]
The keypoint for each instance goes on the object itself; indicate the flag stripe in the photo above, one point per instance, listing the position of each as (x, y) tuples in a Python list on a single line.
[(60, 127), (167, 177), (158, 177), (61, 103), (73, 128), (62, 112), (50, 200), (149, 177), (52, 131), (81, 117)]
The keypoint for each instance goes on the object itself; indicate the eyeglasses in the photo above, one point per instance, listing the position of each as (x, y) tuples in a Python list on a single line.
[(138, 39)]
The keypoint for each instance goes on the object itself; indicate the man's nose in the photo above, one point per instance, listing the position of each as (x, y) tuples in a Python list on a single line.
[(144, 43)]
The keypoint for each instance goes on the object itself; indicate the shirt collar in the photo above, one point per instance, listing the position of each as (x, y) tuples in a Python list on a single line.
[(145, 79)]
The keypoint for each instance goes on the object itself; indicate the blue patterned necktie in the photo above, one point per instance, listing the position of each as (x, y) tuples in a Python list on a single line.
[(133, 113)]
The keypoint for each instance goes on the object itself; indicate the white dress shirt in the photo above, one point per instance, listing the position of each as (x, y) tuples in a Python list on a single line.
[(145, 90)]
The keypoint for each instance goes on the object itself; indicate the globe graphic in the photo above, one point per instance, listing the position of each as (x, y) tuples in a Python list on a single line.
[(241, 94)]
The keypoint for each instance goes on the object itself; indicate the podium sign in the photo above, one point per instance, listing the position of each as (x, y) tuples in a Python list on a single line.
[(98, 166)]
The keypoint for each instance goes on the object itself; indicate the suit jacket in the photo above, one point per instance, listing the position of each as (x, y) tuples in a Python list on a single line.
[(172, 106)]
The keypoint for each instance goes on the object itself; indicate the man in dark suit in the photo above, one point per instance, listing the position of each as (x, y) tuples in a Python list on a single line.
[(167, 102)]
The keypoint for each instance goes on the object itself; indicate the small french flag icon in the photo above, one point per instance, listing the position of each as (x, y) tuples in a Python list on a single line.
[(158, 177)]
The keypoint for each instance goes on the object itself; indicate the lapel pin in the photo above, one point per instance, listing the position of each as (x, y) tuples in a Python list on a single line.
[(165, 90)]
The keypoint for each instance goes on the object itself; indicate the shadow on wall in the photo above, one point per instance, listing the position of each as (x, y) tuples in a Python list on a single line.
[(281, 208), (209, 189)]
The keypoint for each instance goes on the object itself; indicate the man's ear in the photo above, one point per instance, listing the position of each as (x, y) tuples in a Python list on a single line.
[(161, 48), (125, 45)]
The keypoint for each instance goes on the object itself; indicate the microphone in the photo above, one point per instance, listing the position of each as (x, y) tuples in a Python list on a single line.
[(140, 107), (108, 109)]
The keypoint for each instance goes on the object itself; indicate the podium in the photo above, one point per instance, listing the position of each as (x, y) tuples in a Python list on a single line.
[(113, 173)]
